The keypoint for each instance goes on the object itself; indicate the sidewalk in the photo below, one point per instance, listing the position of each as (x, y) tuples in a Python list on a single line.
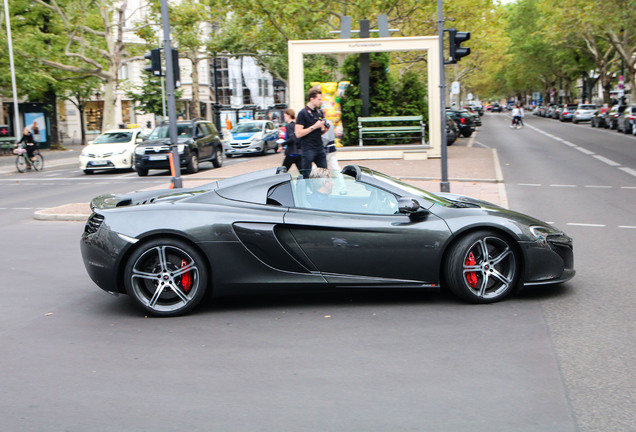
[(472, 171)]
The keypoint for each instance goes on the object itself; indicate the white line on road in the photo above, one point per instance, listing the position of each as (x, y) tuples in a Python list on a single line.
[(627, 226), (628, 187), (584, 150), (598, 187), (628, 171), (585, 225), (560, 185), (607, 161)]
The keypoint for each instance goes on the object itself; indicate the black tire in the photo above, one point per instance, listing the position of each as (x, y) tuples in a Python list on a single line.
[(141, 172), (193, 164), (467, 134), (218, 160), (21, 164), (482, 267), (166, 277), (38, 162), (575, 121)]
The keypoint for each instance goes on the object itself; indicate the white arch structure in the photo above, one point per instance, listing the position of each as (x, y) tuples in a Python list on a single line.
[(430, 44)]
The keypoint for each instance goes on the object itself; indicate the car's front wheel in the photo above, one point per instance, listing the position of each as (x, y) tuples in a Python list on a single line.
[(166, 277), (482, 267), (193, 164)]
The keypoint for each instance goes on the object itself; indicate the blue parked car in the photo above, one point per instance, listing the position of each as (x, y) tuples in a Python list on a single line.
[(252, 137)]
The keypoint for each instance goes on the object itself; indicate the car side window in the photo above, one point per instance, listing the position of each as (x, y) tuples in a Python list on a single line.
[(343, 194)]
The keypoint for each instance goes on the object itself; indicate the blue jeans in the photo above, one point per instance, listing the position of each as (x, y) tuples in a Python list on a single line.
[(310, 155)]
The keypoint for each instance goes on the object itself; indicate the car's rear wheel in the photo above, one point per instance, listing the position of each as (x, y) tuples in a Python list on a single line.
[(193, 164), (482, 267), (166, 277), (467, 134), (141, 172), (218, 160)]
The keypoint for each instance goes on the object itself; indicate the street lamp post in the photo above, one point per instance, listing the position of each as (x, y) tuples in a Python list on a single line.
[(16, 114)]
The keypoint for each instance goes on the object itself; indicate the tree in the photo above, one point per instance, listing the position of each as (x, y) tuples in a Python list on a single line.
[(93, 32), (149, 97)]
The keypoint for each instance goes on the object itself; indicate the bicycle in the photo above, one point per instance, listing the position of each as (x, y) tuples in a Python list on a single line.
[(23, 162)]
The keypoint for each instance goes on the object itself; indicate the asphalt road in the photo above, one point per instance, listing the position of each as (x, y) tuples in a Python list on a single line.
[(583, 180), (558, 358)]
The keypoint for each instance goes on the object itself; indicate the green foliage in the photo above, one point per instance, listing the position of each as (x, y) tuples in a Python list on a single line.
[(149, 95), (406, 97)]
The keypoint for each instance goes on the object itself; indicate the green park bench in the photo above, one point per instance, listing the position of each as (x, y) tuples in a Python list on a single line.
[(400, 131), (7, 144)]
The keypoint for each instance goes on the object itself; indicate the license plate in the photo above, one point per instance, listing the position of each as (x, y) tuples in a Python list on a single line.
[(157, 157), (97, 163)]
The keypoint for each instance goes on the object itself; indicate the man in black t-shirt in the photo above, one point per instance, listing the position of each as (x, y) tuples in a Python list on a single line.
[(310, 125)]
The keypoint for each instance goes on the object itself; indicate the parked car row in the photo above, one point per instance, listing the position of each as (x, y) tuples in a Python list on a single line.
[(618, 117), (465, 120), (198, 141)]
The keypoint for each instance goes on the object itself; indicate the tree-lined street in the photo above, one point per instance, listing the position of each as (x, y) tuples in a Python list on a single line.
[(554, 358)]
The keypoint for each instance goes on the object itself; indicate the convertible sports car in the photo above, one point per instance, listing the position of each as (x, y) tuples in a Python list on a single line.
[(272, 230)]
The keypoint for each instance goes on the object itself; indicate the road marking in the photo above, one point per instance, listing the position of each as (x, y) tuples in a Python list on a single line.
[(584, 150), (598, 187), (607, 161), (559, 185), (586, 225), (627, 226), (628, 171), (628, 187)]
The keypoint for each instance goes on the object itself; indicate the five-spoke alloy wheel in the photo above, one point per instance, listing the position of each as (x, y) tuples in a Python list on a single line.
[(482, 267), (166, 277)]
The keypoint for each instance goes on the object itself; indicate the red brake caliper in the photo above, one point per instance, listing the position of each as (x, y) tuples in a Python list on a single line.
[(186, 278), (471, 277)]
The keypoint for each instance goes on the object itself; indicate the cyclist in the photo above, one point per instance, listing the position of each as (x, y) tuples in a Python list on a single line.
[(29, 142), (517, 114)]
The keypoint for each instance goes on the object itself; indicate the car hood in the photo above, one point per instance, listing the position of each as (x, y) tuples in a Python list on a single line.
[(109, 201), (495, 210), (243, 136), (164, 141), (107, 148)]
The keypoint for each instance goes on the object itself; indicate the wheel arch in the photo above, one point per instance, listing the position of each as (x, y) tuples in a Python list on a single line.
[(174, 235), (495, 229)]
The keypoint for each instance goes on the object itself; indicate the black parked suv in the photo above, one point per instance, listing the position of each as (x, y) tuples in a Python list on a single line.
[(198, 141), (465, 121)]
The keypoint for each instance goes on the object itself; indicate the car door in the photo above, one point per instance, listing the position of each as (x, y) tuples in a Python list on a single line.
[(361, 239)]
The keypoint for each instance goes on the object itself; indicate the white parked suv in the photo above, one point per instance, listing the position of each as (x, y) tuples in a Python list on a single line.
[(114, 149), (584, 112)]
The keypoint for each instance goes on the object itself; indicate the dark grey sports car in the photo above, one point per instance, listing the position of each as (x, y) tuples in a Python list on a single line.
[(272, 230)]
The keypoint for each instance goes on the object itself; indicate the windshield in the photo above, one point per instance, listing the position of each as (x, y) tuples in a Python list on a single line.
[(412, 190), (113, 138), (247, 127), (183, 131), (588, 107)]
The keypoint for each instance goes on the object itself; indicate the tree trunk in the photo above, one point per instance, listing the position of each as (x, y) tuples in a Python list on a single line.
[(50, 99), (80, 109), (195, 106), (108, 119)]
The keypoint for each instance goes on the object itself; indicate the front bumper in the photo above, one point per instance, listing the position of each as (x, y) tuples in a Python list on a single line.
[(243, 147), (549, 262), (158, 161), (122, 161)]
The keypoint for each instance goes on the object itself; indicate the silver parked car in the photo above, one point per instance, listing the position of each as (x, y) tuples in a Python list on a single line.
[(584, 112)]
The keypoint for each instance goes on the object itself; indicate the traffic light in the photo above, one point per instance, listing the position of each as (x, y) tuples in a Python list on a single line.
[(155, 61), (175, 67), (455, 40)]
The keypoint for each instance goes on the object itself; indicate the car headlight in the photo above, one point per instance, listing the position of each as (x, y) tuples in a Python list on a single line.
[(256, 138), (545, 234), (120, 152), (140, 150), (84, 153)]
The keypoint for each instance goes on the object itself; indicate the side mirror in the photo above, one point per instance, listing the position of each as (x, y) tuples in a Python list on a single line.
[(411, 207)]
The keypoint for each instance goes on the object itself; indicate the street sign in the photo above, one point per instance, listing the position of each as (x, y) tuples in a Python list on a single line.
[(455, 87), (470, 96)]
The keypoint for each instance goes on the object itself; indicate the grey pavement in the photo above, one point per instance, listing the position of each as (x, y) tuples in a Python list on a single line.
[(472, 171)]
